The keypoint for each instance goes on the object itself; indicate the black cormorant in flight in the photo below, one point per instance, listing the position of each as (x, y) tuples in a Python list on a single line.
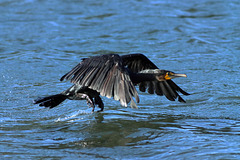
[(115, 76)]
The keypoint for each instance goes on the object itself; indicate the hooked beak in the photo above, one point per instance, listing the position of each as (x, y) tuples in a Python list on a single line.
[(174, 75)]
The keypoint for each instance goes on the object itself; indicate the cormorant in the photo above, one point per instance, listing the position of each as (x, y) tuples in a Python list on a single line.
[(115, 76)]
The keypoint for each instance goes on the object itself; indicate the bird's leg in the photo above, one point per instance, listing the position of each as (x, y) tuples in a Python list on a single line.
[(89, 100), (99, 101)]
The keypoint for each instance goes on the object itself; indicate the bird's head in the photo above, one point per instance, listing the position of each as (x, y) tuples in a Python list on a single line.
[(168, 75)]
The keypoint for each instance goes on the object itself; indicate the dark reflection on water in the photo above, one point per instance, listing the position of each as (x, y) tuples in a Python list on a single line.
[(42, 40)]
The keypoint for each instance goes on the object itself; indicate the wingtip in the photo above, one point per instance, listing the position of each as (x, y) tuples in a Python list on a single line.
[(63, 77), (180, 99), (133, 104)]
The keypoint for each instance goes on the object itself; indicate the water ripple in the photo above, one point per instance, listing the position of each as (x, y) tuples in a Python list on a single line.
[(42, 40)]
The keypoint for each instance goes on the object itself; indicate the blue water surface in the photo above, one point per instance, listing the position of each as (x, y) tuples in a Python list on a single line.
[(42, 40)]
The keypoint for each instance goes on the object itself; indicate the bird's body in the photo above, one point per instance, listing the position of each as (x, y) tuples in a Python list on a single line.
[(116, 76)]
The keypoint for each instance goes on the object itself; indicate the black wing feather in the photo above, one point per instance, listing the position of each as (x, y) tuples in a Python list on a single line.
[(105, 74), (137, 62), (177, 88)]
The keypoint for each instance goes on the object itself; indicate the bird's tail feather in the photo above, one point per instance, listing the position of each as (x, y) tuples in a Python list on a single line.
[(50, 101)]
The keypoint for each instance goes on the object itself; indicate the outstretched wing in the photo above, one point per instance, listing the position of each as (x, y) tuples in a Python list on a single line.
[(137, 62), (105, 74), (140, 63), (167, 88)]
